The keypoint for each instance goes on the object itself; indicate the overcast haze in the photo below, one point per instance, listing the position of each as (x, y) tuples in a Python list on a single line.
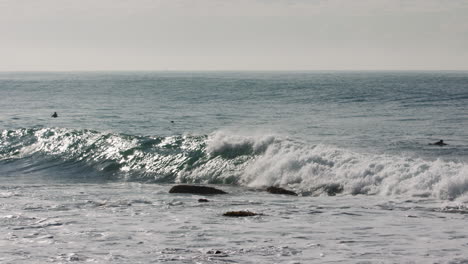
[(233, 35)]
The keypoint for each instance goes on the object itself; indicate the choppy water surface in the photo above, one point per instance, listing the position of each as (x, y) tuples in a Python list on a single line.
[(91, 185), (143, 223)]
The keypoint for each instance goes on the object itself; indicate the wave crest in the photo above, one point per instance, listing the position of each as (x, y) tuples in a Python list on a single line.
[(231, 146), (228, 158)]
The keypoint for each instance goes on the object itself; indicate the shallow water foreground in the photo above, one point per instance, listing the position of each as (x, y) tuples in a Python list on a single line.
[(143, 223)]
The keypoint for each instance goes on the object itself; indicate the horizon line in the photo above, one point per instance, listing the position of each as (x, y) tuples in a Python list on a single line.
[(188, 70)]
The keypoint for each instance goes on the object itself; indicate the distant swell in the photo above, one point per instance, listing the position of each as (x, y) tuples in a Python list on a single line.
[(227, 158)]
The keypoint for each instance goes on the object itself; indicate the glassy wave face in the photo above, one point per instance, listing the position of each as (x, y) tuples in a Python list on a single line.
[(315, 132), (226, 158)]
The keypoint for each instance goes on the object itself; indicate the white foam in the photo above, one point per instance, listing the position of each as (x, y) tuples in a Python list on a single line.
[(222, 141), (304, 167)]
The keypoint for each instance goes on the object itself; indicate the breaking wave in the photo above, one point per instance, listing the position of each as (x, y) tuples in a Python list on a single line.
[(227, 158)]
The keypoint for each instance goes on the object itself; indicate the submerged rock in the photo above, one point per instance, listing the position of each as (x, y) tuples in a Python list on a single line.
[(331, 189), (214, 252), (278, 190), (195, 189), (239, 213)]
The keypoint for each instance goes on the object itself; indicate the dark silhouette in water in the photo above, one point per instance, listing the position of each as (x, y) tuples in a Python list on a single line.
[(240, 214), (277, 190), (195, 189), (439, 143), (54, 115)]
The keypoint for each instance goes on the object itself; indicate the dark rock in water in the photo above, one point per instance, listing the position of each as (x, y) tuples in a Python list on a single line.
[(203, 200), (277, 190), (214, 252), (333, 189), (239, 213), (195, 189), (439, 143)]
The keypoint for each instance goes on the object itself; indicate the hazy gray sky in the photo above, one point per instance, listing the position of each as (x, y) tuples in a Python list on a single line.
[(233, 35)]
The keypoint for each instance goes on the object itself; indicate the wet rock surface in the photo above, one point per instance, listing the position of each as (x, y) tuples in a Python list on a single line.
[(239, 214), (278, 190), (196, 189), (330, 189)]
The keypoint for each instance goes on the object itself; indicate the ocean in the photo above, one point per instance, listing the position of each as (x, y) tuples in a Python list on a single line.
[(91, 186)]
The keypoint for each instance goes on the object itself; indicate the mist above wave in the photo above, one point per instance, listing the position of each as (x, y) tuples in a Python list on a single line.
[(224, 157)]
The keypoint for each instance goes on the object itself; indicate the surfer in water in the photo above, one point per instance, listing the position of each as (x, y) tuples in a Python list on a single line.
[(439, 143), (54, 115)]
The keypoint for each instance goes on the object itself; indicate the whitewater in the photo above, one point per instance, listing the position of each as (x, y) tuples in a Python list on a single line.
[(92, 185)]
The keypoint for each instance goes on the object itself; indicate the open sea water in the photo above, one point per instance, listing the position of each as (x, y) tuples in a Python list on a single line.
[(92, 185)]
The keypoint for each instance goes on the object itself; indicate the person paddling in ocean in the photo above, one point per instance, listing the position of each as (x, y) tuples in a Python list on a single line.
[(439, 143), (54, 115)]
